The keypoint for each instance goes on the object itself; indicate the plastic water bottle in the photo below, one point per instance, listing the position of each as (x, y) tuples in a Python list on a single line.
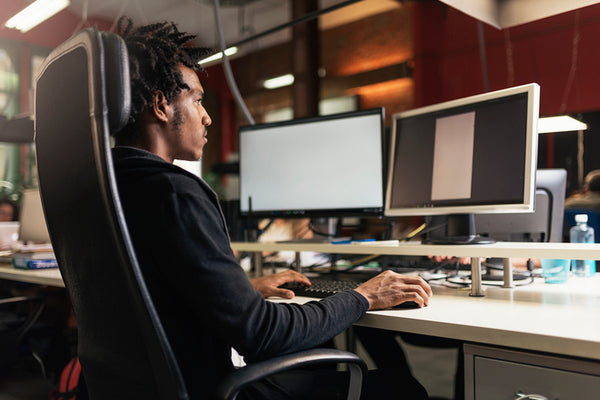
[(582, 233)]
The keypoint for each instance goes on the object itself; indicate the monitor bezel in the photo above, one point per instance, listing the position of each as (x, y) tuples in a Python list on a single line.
[(527, 204), (322, 213)]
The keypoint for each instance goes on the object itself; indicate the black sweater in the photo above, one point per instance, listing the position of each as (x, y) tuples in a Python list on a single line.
[(205, 301)]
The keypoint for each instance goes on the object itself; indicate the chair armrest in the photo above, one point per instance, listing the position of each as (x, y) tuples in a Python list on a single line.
[(19, 299), (230, 386)]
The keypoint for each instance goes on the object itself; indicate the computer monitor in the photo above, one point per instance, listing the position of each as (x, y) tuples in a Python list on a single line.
[(543, 225), (31, 216), (472, 155), (329, 166)]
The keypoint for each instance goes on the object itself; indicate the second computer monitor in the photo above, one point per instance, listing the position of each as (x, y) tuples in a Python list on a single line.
[(473, 155), (543, 225), (33, 223), (327, 166)]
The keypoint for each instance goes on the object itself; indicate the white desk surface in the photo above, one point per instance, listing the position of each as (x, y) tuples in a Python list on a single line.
[(556, 318), (50, 276)]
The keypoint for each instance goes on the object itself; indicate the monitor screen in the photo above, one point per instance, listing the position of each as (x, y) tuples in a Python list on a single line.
[(327, 166), (33, 223), (472, 155)]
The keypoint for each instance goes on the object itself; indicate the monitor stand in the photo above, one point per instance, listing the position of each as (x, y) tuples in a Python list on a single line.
[(326, 229), (454, 229)]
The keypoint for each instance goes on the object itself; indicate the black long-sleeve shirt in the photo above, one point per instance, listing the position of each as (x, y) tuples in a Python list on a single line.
[(205, 301)]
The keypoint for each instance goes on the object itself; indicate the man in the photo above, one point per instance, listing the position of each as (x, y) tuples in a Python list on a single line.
[(590, 197), (206, 302), (9, 211)]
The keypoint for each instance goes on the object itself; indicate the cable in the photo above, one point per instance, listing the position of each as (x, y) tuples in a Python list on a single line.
[(465, 280), (414, 233), (361, 261), (573, 67), (263, 230), (421, 231), (304, 18), (483, 57), (227, 67)]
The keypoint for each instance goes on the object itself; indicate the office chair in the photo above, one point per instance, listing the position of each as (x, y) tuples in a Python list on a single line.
[(17, 316), (81, 95)]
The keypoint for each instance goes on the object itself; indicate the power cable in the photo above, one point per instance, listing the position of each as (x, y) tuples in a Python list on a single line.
[(227, 67)]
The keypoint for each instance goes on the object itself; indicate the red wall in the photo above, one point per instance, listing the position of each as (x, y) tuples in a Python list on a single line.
[(448, 63)]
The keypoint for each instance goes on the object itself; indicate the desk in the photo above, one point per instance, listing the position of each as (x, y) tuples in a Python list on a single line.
[(561, 319), (50, 277), (549, 334)]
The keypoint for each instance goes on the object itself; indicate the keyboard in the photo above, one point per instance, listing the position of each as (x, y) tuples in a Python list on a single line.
[(327, 286), (323, 286), (409, 264)]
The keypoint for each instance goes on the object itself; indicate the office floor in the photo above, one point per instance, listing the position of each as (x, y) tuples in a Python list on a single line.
[(433, 367), (24, 382)]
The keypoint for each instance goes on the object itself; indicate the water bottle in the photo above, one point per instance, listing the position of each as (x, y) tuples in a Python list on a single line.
[(582, 233)]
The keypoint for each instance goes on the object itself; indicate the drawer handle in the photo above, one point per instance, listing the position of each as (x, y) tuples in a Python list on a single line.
[(523, 396)]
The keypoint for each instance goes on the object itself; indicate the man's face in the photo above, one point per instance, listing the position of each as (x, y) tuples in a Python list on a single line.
[(189, 121), (6, 212)]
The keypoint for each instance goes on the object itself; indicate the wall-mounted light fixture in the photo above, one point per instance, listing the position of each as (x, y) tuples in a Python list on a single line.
[(36, 13), (279, 81), (562, 123), (217, 56)]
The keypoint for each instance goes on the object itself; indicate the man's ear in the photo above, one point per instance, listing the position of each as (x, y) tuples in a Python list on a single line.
[(160, 106)]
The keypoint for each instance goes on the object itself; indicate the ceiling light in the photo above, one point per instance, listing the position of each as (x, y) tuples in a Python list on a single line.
[(35, 13), (217, 56), (280, 81), (562, 123), (507, 13)]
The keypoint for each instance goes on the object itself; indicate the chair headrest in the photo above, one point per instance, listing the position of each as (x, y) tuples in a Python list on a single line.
[(107, 53), (118, 87)]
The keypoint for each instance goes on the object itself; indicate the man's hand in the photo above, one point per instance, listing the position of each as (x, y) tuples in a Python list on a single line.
[(389, 289), (268, 285)]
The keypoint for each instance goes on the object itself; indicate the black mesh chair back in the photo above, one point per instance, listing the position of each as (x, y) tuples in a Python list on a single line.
[(81, 95)]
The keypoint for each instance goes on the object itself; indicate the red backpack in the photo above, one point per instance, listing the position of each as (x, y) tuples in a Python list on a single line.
[(70, 384)]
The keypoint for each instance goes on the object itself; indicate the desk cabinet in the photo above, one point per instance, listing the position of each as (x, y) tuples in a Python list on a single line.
[(499, 374)]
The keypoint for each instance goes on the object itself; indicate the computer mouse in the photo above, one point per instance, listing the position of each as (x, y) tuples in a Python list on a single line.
[(407, 304)]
